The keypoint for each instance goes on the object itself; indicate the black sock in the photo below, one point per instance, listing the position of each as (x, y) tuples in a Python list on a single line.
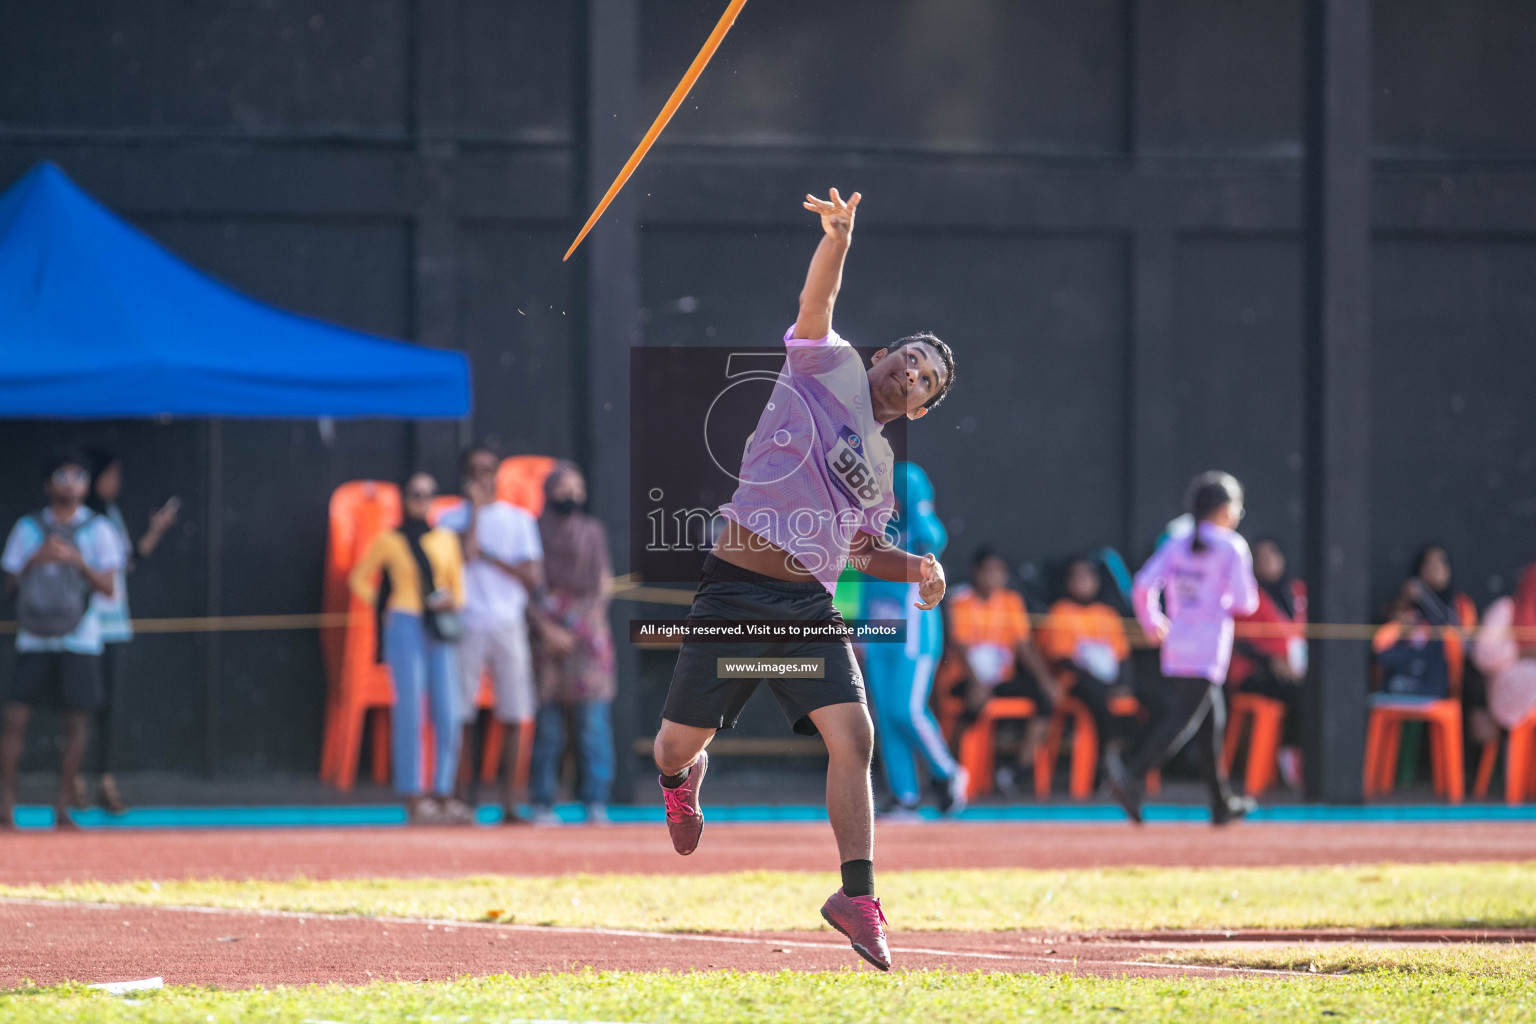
[(673, 781), (858, 878)]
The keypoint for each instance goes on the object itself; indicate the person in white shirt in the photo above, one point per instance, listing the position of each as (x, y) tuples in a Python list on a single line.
[(57, 562), (504, 562)]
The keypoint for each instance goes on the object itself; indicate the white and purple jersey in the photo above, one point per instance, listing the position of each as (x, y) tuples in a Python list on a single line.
[(1203, 591), (817, 470)]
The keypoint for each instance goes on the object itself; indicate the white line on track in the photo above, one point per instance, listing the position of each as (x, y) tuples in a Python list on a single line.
[(1060, 962)]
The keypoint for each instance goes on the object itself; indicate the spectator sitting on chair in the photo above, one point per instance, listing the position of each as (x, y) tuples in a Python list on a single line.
[(420, 594), (503, 565), (989, 636), (1269, 656), (57, 561), (1415, 655), (1083, 640), (1441, 604), (116, 622), (1505, 652), (573, 649)]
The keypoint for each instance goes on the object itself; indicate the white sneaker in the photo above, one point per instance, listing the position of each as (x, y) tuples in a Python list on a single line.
[(901, 814), (957, 793), (546, 816), (597, 814)]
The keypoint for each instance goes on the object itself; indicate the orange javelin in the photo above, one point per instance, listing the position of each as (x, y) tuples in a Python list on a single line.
[(673, 102)]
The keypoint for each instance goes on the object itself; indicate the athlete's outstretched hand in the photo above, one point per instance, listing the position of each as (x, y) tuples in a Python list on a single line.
[(836, 215), (931, 587)]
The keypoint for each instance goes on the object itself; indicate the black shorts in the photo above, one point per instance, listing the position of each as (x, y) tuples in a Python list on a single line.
[(698, 697), (60, 680)]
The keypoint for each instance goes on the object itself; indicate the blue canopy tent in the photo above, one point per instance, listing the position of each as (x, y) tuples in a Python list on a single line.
[(99, 321)]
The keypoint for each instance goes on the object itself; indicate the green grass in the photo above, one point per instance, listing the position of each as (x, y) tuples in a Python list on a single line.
[(851, 997), (1385, 896), (1446, 959)]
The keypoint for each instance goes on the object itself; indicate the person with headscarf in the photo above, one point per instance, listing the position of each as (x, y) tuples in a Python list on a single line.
[(900, 675), (1269, 654), (573, 650), (116, 620), (1422, 648), (420, 590)]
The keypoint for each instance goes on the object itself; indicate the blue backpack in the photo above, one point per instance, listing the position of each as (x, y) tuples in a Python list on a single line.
[(53, 598)]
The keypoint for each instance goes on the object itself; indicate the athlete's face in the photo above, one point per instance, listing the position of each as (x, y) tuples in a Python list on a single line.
[(906, 378)]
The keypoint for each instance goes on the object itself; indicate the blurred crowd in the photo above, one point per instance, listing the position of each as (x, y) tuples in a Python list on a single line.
[(483, 589), (1067, 630), (477, 589)]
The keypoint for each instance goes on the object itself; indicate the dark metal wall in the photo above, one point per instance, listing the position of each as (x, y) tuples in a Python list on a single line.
[(1100, 203)]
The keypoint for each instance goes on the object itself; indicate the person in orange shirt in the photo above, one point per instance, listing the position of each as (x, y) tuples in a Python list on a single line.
[(989, 637), (1083, 641)]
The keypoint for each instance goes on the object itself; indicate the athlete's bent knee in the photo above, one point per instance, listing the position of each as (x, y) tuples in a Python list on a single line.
[(676, 747)]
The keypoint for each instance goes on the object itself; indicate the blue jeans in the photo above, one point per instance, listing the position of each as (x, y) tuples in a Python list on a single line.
[(898, 686), (426, 677), (594, 752)]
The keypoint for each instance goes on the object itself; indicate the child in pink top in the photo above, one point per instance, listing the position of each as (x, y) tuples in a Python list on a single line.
[(1202, 580)]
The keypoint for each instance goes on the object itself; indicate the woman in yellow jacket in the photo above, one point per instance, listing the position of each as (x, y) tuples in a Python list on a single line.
[(422, 590)]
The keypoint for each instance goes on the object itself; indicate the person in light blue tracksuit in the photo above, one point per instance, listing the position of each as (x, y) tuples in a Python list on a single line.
[(899, 676)]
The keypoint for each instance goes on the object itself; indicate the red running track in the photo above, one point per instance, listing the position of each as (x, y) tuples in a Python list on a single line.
[(53, 944), (45, 858)]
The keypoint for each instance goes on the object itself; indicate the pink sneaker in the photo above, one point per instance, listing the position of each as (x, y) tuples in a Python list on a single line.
[(861, 919), (685, 819)]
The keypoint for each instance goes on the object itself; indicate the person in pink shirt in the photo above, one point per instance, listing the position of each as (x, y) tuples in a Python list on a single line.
[(1203, 579), (815, 494)]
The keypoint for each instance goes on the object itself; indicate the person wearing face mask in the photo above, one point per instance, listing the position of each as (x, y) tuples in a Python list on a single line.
[(573, 650)]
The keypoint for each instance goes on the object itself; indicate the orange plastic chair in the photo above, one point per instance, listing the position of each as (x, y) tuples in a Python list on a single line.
[(978, 746), (357, 684), (1384, 735), (1264, 717), (1520, 762), (1083, 772), (1384, 729), (520, 481)]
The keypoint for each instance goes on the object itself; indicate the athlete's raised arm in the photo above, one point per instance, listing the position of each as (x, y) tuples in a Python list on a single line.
[(825, 277)]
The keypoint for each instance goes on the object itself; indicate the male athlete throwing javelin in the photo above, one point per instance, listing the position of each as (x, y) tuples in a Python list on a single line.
[(815, 492)]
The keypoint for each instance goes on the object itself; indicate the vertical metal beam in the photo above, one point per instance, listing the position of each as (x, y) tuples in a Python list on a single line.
[(1338, 421), (213, 590), (609, 62), (434, 226), (1152, 447), (1152, 483)]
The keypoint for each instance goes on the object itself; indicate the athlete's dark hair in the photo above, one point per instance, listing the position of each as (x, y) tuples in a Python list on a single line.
[(946, 356), (471, 452), (1207, 493)]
